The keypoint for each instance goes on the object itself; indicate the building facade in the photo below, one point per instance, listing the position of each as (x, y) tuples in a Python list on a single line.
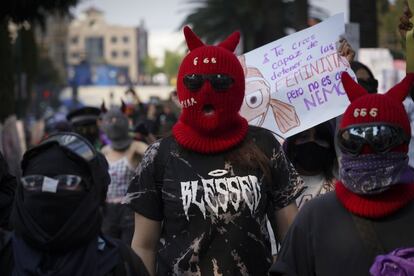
[(91, 39)]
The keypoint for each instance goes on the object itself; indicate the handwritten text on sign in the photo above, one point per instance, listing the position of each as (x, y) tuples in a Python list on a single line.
[(294, 83)]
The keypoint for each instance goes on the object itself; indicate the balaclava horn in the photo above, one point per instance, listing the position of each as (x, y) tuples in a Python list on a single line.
[(222, 127)]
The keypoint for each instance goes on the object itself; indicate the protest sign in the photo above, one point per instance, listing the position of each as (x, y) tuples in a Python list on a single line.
[(294, 83)]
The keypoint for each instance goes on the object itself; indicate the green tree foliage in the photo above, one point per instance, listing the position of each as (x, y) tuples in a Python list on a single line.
[(172, 61), (388, 17), (259, 21), (151, 67)]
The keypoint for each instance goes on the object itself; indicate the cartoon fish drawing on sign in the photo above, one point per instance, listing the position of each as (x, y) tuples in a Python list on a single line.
[(258, 100)]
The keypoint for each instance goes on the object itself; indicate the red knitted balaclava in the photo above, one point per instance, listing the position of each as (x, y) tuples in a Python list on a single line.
[(210, 120), (368, 108)]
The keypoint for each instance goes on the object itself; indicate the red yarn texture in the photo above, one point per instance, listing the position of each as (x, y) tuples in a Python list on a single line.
[(375, 206)]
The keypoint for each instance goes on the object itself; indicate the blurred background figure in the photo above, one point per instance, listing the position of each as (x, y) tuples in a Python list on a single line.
[(141, 133), (56, 122), (123, 155), (166, 119), (84, 121), (135, 109), (312, 153), (365, 77)]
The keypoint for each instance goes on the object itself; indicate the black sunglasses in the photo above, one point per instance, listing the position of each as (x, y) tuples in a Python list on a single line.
[(381, 137), (218, 81), (43, 183)]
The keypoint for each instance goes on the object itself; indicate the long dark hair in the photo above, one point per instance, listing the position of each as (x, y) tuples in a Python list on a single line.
[(249, 156)]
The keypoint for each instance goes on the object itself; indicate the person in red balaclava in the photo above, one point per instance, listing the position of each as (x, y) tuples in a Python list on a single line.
[(366, 226), (203, 194)]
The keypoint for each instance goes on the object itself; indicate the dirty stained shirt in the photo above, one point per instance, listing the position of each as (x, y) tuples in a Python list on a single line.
[(213, 211)]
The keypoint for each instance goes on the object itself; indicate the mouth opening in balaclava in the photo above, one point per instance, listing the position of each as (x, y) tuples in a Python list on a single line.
[(208, 110)]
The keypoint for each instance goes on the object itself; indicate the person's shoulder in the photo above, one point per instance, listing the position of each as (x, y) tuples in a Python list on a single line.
[(259, 130), (105, 149), (159, 149), (263, 137), (139, 147), (320, 206)]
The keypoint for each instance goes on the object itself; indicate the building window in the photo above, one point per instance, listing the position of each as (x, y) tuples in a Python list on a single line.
[(92, 23), (94, 47), (74, 40), (114, 39), (125, 53), (125, 39), (114, 54)]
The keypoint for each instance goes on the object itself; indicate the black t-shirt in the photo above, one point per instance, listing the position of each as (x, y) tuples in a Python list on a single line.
[(324, 241), (213, 212)]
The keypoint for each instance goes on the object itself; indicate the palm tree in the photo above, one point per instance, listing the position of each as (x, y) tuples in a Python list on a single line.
[(259, 21)]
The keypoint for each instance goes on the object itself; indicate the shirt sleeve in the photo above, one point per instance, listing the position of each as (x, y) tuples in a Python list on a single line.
[(296, 257), (144, 191), (286, 184)]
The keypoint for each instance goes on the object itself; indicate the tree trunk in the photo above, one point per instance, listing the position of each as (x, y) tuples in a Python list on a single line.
[(365, 13), (301, 15)]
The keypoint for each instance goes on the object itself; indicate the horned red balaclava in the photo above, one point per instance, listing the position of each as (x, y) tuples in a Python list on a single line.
[(357, 171), (210, 120)]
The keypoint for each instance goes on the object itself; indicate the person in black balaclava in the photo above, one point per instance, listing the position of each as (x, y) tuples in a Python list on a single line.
[(56, 214), (84, 121), (312, 152)]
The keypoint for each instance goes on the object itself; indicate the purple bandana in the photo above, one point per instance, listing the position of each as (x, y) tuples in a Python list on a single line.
[(374, 173), (399, 262)]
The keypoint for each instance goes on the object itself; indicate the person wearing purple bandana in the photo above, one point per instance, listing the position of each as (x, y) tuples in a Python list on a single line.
[(366, 225)]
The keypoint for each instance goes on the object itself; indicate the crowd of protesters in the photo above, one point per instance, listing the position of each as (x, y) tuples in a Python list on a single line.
[(162, 189)]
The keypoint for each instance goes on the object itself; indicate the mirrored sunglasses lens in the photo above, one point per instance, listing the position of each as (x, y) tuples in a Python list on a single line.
[(384, 138), (69, 181), (32, 182), (350, 143)]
